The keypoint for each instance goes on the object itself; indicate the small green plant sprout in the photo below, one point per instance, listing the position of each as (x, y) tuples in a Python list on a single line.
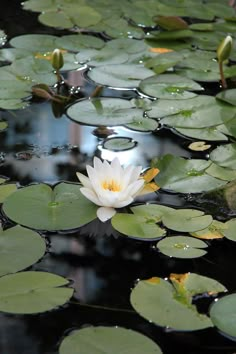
[(57, 63), (223, 53)]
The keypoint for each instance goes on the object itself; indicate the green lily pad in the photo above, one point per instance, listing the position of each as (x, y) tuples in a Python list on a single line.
[(15, 245), (94, 340), (185, 176), (182, 247), (210, 134), (169, 86), (75, 42), (215, 230), (6, 190), (223, 313), (158, 301), (223, 173), (104, 111), (186, 220), (119, 76), (43, 208), (152, 211), (143, 125), (230, 231), (39, 42), (225, 156), (119, 144), (162, 108), (139, 227), (228, 96), (33, 292)]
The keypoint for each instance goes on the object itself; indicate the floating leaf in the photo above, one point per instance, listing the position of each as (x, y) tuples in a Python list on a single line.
[(223, 313), (136, 226), (215, 230), (228, 96), (157, 301), (230, 231), (94, 340), (41, 207), (143, 125), (119, 144), (225, 156), (152, 211), (14, 251), (223, 173), (182, 247), (185, 176), (119, 76), (6, 190), (104, 111), (210, 134), (169, 86), (32, 292), (3, 125), (186, 220), (199, 146)]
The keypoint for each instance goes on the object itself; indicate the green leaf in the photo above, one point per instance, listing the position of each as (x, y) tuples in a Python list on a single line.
[(43, 208), (228, 96), (169, 86), (225, 156), (223, 313), (106, 340), (119, 144), (152, 211), (186, 220), (210, 134), (32, 292), (14, 251), (6, 190), (185, 176), (157, 301), (230, 231), (119, 76), (182, 247), (223, 173), (104, 111), (136, 226)]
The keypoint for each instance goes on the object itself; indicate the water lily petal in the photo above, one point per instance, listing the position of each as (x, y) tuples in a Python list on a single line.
[(105, 213), (89, 194), (84, 180)]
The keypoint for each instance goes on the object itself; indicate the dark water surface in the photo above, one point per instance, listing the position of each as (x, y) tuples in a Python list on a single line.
[(37, 147)]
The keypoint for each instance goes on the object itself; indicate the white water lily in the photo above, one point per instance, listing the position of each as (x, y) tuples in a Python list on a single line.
[(111, 186)]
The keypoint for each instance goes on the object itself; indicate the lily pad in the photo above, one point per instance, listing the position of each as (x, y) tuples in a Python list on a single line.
[(14, 251), (223, 313), (230, 231), (210, 133), (228, 96), (185, 176), (182, 247), (169, 86), (157, 301), (225, 156), (139, 227), (3, 125), (43, 208), (33, 292), (6, 190), (143, 125), (119, 76), (119, 144), (152, 211), (104, 111), (223, 173), (94, 340), (215, 230), (186, 220)]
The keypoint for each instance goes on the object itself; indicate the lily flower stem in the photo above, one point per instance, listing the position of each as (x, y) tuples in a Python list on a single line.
[(222, 77)]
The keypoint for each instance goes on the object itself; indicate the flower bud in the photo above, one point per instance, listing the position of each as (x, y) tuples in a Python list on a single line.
[(57, 59), (224, 49)]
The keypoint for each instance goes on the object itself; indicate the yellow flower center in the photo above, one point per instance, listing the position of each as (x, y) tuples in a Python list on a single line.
[(112, 186)]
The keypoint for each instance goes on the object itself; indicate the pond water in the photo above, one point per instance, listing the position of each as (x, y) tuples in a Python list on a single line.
[(102, 265)]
